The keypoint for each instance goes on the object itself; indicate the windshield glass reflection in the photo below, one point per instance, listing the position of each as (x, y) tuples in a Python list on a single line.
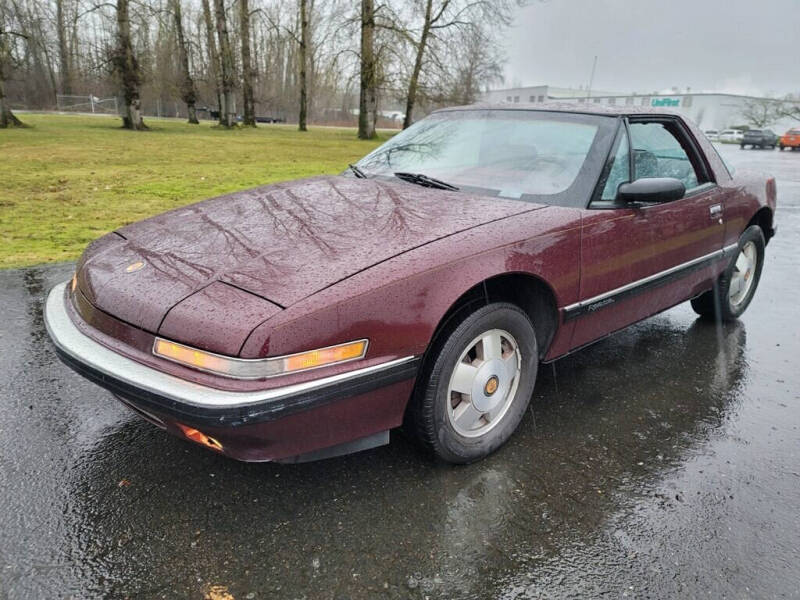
[(511, 154)]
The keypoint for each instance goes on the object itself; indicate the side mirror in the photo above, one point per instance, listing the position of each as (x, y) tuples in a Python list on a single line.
[(651, 189)]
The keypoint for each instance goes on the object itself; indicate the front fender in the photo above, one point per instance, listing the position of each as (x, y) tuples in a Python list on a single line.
[(398, 304)]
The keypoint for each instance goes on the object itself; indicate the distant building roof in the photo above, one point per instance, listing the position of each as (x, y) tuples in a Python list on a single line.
[(553, 91)]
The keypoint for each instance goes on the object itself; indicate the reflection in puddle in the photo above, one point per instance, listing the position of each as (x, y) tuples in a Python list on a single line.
[(625, 412)]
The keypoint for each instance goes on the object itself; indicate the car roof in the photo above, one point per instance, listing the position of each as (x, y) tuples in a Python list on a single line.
[(583, 108)]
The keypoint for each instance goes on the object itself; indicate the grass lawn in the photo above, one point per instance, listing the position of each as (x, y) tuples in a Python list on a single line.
[(67, 180)]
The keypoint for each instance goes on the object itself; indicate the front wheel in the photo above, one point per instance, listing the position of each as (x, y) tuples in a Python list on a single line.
[(782, 147), (736, 286), (476, 384)]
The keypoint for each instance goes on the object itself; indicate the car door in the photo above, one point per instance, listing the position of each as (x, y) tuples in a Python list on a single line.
[(639, 260)]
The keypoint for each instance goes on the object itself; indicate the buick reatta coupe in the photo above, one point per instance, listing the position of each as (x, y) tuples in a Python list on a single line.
[(422, 288)]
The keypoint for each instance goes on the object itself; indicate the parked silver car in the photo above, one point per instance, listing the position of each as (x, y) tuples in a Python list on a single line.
[(731, 136)]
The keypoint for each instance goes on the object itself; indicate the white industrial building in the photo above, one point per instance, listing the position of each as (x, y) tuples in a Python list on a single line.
[(708, 110), (536, 93)]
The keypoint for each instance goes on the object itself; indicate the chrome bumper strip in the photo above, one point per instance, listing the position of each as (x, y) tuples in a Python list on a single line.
[(84, 354)]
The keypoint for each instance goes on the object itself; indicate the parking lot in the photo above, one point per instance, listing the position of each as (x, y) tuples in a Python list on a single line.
[(661, 462)]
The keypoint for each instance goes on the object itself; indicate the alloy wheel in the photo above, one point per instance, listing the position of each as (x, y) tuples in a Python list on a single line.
[(484, 383), (743, 274)]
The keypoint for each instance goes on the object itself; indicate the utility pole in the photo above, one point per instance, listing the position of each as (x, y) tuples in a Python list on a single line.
[(591, 78)]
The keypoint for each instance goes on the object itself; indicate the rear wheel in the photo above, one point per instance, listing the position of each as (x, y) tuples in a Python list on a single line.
[(736, 286), (476, 384), (782, 147)]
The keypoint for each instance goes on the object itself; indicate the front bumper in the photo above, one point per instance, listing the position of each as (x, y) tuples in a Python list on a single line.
[(253, 415)]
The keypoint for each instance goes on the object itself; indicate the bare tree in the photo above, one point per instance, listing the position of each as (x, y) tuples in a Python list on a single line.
[(761, 112), (213, 56), (126, 67), (420, 47), (186, 83), (7, 118), (440, 16), (226, 110), (64, 67), (249, 116), (368, 98), (303, 60), (187, 89), (789, 108), (474, 62)]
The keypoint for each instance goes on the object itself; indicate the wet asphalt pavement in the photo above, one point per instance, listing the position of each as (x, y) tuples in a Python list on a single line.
[(661, 462)]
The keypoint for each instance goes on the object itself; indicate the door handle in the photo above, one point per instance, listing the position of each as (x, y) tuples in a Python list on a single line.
[(715, 212)]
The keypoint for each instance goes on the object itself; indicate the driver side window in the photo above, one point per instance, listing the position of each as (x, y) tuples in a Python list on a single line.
[(658, 153)]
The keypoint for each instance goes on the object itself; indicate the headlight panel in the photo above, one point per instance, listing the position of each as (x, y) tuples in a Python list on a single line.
[(259, 368)]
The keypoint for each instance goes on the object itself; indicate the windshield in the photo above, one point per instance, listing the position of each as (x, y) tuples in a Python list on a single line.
[(529, 155)]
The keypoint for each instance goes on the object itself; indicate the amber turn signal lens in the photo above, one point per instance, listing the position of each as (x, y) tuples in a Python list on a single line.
[(326, 356), (190, 356), (74, 283)]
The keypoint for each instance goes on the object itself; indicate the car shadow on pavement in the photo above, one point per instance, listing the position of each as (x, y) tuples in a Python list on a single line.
[(603, 425)]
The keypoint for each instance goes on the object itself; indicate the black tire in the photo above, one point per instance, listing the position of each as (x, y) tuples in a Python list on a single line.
[(716, 303), (741, 146), (428, 413), (781, 147)]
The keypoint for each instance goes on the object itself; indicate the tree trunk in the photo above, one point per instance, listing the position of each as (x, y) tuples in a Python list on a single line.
[(213, 57), (249, 111), (301, 121), (411, 97), (127, 68), (368, 101), (188, 92), (63, 50), (7, 118), (227, 118)]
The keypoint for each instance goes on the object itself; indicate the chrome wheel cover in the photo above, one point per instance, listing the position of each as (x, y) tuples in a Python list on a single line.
[(744, 271), (484, 383)]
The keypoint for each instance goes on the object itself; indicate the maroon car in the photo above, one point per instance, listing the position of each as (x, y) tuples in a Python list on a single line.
[(423, 287)]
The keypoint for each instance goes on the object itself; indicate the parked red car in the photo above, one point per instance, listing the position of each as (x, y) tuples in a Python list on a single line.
[(790, 139), (423, 286)]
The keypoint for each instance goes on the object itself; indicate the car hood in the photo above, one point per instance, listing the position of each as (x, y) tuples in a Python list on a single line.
[(280, 242)]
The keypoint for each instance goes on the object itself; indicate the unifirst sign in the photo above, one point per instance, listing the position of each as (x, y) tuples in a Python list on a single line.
[(665, 102)]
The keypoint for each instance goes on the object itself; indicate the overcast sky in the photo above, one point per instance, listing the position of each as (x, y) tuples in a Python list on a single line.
[(735, 46)]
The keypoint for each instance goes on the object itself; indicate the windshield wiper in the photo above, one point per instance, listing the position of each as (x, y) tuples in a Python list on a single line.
[(424, 180), (357, 172)]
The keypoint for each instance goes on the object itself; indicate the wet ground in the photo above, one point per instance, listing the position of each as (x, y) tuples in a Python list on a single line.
[(662, 462)]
